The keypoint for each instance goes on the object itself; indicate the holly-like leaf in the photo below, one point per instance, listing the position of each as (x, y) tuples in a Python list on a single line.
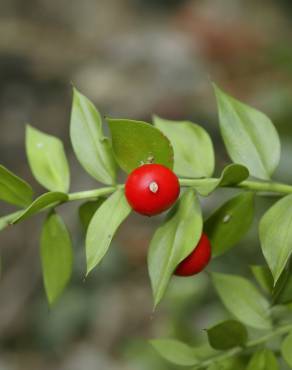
[(263, 359), (103, 226), (175, 351), (227, 334), (276, 235), (264, 277), (13, 189), (173, 241), (45, 201), (193, 148), (47, 160), (7, 219), (88, 209), (91, 147), (136, 142), (229, 223), (56, 256), (286, 349), (243, 300), (249, 136)]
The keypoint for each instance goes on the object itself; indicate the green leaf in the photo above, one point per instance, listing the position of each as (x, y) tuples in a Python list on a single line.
[(103, 226), (136, 142), (264, 277), (7, 219), (286, 349), (229, 223), (88, 209), (249, 136), (233, 363), (175, 351), (91, 147), (263, 359), (282, 293), (45, 201), (13, 189), (232, 174), (243, 300), (47, 160), (276, 235), (173, 241), (228, 334), (193, 148), (56, 256)]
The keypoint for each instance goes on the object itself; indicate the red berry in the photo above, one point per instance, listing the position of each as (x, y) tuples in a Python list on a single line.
[(151, 189), (197, 260)]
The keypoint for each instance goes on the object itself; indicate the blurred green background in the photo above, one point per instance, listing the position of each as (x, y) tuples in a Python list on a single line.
[(133, 58)]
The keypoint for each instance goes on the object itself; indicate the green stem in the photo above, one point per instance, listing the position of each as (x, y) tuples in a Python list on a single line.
[(92, 194), (251, 344)]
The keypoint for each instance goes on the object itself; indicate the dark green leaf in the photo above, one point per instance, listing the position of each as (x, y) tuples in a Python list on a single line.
[(243, 300), (193, 148), (229, 223), (136, 142), (88, 209), (175, 351), (103, 226), (13, 189), (45, 201), (263, 359), (276, 235), (264, 277), (91, 147), (173, 241), (7, 219), (283, 290), (228, 334), (249, 136), (233, 363), (56, 256), (286, 349)]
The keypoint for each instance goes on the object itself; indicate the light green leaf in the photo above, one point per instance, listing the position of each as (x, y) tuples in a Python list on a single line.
[(286, 349), (88, 209), (232, 174), (7, 219), (91, 147), (243, 300), (263, 359), (229, 223), (173, 241), (56, 256), (249, 136), (276, 235), (45, 201), (103, 226), (175, 351), (193, 148), (264, 277), (227, 334), (13, 189), (136, 142)]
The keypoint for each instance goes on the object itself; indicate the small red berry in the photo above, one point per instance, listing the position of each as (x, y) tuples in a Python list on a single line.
[(151, 189), (197, 260)]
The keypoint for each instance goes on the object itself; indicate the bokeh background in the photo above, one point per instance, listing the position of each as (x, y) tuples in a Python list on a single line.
[(133, 58)]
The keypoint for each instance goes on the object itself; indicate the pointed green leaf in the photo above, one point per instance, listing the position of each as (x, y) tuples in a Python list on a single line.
[(263, 359), (264, 277), (45, 201), (228, 334), (175, 351), (56, 256), (229, 223), (173, 241), (276, 235), (13, 189), (8, 219), (47, 160), (286, 349), (249, 136), (88, 209), (91, 147), (136, 142), (282, 293), (103, 226), (193, 148), (243, 300)]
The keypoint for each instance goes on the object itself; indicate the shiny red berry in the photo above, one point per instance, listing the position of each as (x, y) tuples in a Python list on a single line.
[(151, 189), (197, 260)]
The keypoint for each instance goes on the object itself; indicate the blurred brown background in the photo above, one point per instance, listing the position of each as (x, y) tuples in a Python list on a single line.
[(132, 58)]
